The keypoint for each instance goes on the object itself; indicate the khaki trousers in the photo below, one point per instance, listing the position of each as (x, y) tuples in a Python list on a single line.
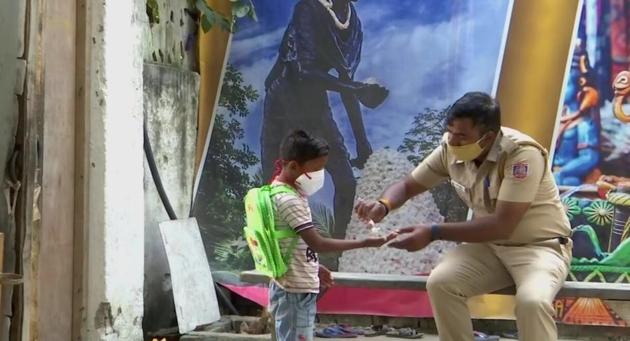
[(537, 270)]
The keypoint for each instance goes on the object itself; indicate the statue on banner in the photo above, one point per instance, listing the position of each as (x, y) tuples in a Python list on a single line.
[(323, 36)]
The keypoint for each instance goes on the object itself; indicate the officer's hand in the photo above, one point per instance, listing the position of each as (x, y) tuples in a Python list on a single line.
[(412, 238), (370, 210)]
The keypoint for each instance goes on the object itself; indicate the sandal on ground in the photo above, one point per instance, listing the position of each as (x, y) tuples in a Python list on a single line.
[(369, 331), (334, 332), (405, 333)]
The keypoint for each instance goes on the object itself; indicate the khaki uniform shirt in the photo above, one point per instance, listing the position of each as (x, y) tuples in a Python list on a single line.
[(526, 178)]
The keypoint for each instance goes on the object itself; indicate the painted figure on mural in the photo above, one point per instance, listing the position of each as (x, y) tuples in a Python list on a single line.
[(578, 145), (621, 88), (319, 53)]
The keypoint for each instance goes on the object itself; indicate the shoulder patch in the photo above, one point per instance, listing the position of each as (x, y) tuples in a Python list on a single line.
[(520, 170)]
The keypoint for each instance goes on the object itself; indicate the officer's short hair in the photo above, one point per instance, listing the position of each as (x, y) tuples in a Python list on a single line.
[(480, 107)]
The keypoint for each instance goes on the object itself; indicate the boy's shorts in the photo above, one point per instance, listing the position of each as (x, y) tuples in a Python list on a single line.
[(294, 314)]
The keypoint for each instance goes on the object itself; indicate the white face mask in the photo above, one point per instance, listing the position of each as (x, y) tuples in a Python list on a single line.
[(311, 183)]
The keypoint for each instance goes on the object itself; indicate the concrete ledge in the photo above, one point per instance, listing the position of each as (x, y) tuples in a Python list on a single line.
[(605, 291), (216, 336)]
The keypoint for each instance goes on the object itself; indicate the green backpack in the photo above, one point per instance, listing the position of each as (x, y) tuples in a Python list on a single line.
[(261, 234)]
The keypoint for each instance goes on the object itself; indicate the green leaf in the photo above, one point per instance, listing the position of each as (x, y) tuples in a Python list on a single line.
[(205, 24), (210, 14), (240, 9), (225, 23), (252, 11), (201, 5), (153, 11), (206, 10), (210, 17), (207, 17)]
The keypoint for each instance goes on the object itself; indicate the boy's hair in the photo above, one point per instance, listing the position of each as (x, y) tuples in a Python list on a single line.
[(300, 146), (481, 108)]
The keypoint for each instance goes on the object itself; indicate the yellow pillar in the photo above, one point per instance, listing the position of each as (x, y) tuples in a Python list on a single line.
[(530, 89), (213, 53), (534, 64)]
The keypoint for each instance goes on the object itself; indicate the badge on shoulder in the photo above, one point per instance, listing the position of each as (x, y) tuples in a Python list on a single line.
[(520, 170)]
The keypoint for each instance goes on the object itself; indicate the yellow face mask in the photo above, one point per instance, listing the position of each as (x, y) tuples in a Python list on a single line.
[(467, 152)]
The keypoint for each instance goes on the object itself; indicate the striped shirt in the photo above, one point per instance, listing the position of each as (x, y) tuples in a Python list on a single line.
[(291, 211)]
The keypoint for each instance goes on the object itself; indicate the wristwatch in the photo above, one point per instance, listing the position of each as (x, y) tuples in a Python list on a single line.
[(435, 232)]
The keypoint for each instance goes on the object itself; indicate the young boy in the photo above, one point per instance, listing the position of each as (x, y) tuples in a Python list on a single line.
[(293, 296)]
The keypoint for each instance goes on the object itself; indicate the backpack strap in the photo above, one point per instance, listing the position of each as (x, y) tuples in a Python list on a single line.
[(504, 156), (287, 233), (281, 189)]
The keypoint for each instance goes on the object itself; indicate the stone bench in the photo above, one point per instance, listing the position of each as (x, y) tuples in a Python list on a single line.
[(605, 291)]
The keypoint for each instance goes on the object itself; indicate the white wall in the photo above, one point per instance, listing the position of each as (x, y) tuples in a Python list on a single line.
[(115, 260)]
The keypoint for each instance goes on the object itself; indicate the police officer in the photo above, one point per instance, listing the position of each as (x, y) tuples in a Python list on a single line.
[(518, 235)]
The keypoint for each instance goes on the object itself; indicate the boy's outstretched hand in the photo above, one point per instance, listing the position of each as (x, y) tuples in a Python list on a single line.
[(379, 241)]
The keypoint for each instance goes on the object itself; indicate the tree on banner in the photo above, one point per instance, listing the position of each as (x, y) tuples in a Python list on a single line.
[(223, 189), (425, 135)]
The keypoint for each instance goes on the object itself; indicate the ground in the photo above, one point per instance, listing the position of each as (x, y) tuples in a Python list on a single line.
[(425, 338)]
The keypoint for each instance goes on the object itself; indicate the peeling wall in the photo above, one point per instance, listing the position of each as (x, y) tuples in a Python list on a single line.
[(170, 107), (172, 40)]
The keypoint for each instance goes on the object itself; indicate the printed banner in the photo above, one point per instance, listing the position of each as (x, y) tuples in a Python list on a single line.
[(592, 158)]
